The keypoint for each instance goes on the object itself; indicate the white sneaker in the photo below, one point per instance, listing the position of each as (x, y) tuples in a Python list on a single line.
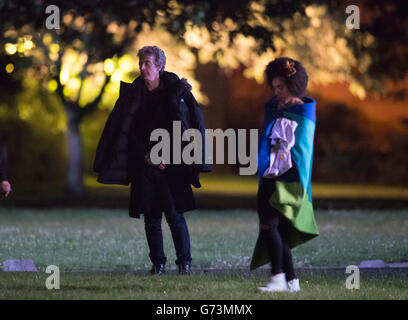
[(293, 285), (276, 284)]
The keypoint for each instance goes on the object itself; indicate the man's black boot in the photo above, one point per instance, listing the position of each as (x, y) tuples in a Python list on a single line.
[(184, 268), (157, 269)]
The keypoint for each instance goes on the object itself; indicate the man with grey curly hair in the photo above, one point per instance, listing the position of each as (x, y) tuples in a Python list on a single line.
[(153, 101), (158, 54)]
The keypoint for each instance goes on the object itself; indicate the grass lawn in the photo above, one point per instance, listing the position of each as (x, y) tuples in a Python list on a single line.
[(248, 185), (197, 287), (100, 240)]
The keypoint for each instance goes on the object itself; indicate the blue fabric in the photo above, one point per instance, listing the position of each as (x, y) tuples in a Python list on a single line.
[(302, 153)]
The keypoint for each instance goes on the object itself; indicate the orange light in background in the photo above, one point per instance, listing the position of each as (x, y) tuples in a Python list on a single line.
[(47, 39)]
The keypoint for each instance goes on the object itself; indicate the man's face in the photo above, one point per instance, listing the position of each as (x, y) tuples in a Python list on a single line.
[(148, 68)]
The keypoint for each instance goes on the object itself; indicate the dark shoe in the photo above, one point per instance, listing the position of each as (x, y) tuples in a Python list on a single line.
[(157, 269), (184, 268)]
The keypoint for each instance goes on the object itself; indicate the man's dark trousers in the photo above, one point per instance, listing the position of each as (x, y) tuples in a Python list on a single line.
[(156, 199)]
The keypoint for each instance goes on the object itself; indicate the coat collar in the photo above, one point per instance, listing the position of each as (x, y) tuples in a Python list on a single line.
[(169, 80)]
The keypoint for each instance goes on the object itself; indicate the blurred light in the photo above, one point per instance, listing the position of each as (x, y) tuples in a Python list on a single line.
[(10, 48), (10, 68), (116, 76), (83, 58), (126, 63), (79, 22), (112, 27), (77, 44), (53, 56), (230, 24), (358, 90), (10, 34), (368, 41), (315, 22), (67, 19), (52, 85), (309, 11), (160, 13), (24, 111), (74, 83), (28, 45), (257, 7), (196, 37), (47, 39), (109, 66), (54, 48), (20, 48), (174, 7), (64, 76), (66, 91)]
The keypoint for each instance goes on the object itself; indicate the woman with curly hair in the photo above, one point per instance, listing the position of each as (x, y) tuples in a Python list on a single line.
[(285, 155)]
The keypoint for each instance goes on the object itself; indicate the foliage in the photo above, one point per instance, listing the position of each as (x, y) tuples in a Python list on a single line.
[(35, 157), (83, 62), (229, 32)]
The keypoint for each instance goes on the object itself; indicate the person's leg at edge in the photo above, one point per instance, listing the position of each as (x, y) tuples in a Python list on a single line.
[(287, 259), (152, 218), (178, 226), (154, 238), (181, 240), (292, 280), (269, 222)]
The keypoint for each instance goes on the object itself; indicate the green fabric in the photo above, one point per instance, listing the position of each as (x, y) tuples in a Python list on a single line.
[(292, 200)]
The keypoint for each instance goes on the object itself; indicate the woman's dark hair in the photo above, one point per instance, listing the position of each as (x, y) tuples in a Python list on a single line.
[(292, 73)]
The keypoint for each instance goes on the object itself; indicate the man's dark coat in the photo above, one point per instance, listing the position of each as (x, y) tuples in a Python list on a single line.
[(112, 155), (3, 162)]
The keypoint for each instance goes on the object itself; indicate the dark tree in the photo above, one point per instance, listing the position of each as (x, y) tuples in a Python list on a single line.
[(88, 31)]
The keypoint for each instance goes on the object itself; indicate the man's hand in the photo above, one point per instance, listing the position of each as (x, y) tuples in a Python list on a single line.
[(5, 187), (162, 165)]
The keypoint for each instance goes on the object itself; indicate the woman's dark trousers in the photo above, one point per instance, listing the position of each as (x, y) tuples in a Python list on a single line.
[(274, 228)]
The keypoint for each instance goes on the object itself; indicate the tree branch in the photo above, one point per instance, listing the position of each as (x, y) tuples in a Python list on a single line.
[(91, 107)]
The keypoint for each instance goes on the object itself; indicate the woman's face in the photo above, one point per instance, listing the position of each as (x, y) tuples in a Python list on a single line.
[(281, 90)]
